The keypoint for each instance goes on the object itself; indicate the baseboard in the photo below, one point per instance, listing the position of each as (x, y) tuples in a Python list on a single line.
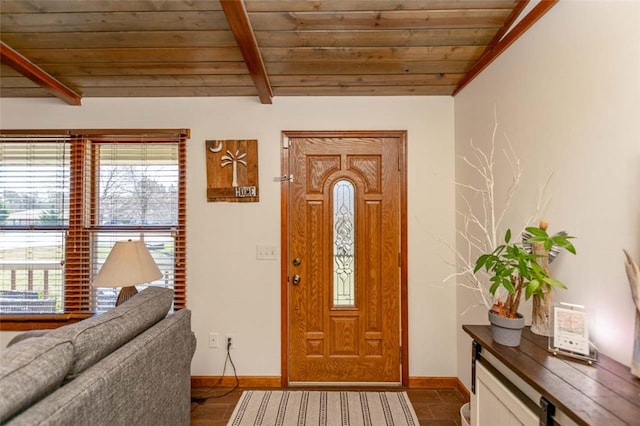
[(440, 383), (463, 390), (276, 382), (243, 381), (433, 382)]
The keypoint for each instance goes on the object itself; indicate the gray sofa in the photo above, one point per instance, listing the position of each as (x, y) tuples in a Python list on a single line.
[(129, 366)]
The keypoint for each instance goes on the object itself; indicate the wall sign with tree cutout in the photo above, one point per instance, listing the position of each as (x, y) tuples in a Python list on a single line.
[(232, 170)]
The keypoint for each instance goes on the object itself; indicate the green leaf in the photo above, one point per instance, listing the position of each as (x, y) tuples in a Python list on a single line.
[(548, 244), (522, 268), (532, 288), (553, 282), (494, 287), (506, 283), (507, 272), (512, 251), (570, 248), (480, 262), (537, 232), (537, 239), (492, 260), (537, 269), (507, 236)]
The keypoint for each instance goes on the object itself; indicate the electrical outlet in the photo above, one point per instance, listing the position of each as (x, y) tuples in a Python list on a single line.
[(214, 340), (228, 338)]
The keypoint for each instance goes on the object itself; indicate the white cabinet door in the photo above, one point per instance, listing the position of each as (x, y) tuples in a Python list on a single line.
[(494, 405)]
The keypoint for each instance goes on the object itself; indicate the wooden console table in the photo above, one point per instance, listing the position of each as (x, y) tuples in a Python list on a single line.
[(555, 390)]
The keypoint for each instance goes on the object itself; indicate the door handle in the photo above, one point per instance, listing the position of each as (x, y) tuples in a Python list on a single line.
[(296, 279)]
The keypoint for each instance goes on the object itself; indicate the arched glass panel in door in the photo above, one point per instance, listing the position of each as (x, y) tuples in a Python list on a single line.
[(344, 244)]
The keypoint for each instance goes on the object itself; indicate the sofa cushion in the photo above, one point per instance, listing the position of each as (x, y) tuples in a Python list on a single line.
[(96, 337), (27, 335), (31, 369)]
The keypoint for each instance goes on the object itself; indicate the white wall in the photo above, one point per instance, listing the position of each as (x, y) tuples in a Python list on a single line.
[(567, 95), (229, 291)]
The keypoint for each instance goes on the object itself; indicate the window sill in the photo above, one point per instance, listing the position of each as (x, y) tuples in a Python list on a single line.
[(38, 322)]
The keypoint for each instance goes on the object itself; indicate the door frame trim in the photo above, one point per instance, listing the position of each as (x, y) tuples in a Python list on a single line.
[(284, 239)]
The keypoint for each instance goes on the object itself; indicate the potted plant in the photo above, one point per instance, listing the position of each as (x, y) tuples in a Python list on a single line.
[(515, 269)]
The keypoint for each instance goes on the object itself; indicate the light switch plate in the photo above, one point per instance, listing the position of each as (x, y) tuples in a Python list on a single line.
[(266, 253)]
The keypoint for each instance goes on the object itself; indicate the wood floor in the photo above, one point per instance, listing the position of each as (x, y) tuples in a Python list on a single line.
[(439, 407)]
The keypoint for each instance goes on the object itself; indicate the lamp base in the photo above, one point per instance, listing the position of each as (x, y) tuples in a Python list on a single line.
[(126, 293)]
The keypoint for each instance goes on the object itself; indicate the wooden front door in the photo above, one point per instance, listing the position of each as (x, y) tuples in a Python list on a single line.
[(344, 257)]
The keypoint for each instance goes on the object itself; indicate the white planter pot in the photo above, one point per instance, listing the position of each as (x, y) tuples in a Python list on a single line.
[(465, 414)]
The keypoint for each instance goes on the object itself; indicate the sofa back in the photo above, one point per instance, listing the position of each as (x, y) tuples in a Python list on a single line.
[(33, 368), (98, 336), (146, 382)]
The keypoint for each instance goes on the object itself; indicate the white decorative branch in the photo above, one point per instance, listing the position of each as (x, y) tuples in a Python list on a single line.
[(483, 226)]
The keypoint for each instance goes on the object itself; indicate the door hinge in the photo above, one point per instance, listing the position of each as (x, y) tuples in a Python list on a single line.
[(285, 142), (399, 161), (400, 355), (547, 411), (476, 349)]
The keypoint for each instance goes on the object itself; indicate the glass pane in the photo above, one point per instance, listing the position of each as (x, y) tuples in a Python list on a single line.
[(138, 184), (343, 244), (161, 247), (31, 272), (34, 184)]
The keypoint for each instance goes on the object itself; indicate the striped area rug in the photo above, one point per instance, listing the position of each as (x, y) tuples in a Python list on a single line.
[(330, 408)]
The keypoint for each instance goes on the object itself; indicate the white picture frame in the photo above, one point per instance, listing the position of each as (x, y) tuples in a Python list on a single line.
[(570, 328)]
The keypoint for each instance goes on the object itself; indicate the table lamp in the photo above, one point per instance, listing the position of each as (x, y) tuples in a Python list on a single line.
[(129, 263)]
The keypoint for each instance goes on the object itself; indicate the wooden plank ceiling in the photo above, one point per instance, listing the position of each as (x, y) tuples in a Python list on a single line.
[(261, 48)]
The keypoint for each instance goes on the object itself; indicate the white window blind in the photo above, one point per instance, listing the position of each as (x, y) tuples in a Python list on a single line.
[(34, 216), (136, 198)]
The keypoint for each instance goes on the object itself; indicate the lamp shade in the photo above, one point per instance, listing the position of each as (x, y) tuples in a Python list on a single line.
[(129, 263)]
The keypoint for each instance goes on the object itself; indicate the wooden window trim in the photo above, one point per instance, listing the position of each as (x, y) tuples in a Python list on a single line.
[(77, 292)]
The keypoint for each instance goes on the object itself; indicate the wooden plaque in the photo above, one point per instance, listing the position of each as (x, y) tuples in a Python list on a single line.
[(232, 170)]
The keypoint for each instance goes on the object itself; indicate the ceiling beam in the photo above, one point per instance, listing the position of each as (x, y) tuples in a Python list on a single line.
[(24, 66), (493, 51), (517, 10), (238, 19)]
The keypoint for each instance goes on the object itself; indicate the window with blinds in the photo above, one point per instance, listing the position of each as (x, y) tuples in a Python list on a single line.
[(34, 218), (65, 201)]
